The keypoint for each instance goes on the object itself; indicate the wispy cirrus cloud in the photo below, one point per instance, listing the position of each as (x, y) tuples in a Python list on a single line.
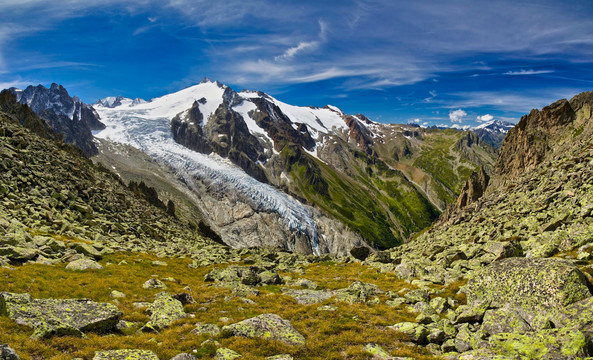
[(528, 72)]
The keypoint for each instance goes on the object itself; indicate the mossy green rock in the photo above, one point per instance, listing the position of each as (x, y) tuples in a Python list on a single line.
[(226, 354), (358, 292), (163, 312), (564, 343), (125, 354), (308, 297), (504, 321), (84, 264), (416, 332), (209, 329), (55, 317), (530, 284), (267, 326)]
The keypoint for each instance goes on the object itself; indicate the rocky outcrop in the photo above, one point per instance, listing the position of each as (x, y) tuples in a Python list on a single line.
[(57, 317), (529, 284), (163, 312), (7, 353), (66, 115)]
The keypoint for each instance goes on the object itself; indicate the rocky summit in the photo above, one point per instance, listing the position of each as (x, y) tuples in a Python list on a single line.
[(94, 267)]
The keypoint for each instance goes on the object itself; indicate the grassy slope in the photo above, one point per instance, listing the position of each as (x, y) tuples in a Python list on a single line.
[(329, 335), (382, 198)]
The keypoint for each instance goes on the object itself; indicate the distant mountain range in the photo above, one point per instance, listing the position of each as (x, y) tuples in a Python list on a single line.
[(493, 132), (260, 172)]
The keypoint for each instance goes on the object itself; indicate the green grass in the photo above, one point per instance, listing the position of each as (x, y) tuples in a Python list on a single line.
[(329, 335)]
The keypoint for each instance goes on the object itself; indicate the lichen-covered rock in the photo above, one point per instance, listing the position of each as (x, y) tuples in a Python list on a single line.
[(270, 277), (417, 295), (416, 332), (267, 326), (163, 312), (226, 354), (472, 313), (154, 284), (280, 357), (528, 283), (87, 250), (360, 252), (308, 297), (358, 292), (125, 354), (7, 353), (564, 343), (203, 328), (183, 356), (504, 321), (184, 298), (54, 317), (377, 352)]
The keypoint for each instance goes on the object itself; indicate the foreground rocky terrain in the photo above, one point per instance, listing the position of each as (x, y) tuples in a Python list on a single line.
[(92, 269)]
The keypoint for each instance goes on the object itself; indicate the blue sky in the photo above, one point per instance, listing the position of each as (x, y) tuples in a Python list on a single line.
[(452, 62)]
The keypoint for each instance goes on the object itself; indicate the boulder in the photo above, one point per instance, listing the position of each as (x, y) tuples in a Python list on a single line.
[(415, 332), (163, 312), (55, 317), (530, 284), (377, 352), (7, 353), (84, 264), (358, 292), (564, 343), (267, 326), (87, 250), (360, 252), (504, 321), (209, 329), (154, 284), (183, 356), (226, 354), (308, 297), (125, 354)]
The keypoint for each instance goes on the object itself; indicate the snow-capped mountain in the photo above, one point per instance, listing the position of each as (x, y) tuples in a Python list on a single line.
[(281, 159), (493, 132), (261, 172), (65, 114)]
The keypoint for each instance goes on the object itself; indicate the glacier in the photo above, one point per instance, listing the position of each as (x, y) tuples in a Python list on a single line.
[(146, 126)]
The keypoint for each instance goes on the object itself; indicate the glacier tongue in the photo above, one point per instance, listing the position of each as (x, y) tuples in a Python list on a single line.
[(152, 135)]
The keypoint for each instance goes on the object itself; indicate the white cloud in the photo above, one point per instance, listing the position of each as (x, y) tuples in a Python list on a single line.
[(417, 121), (528, 72), (293, 51), (457, 116), (459, 127), (484, 118)]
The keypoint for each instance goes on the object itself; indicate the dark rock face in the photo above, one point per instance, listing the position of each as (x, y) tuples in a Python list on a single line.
[(66, 115), (474, 188), (25, 116), (527, 144), (360, 133), (225, 133)]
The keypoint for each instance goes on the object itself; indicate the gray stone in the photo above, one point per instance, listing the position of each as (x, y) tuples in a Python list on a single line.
[(530, 284), (163, 312), (154, 284), (209, 329), (226, 354), (267, 326), (54, 317), (7, 353), (308, 297), (125, 354)]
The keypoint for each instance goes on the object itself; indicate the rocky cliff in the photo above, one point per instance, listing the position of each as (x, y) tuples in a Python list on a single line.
[(66, 115)]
